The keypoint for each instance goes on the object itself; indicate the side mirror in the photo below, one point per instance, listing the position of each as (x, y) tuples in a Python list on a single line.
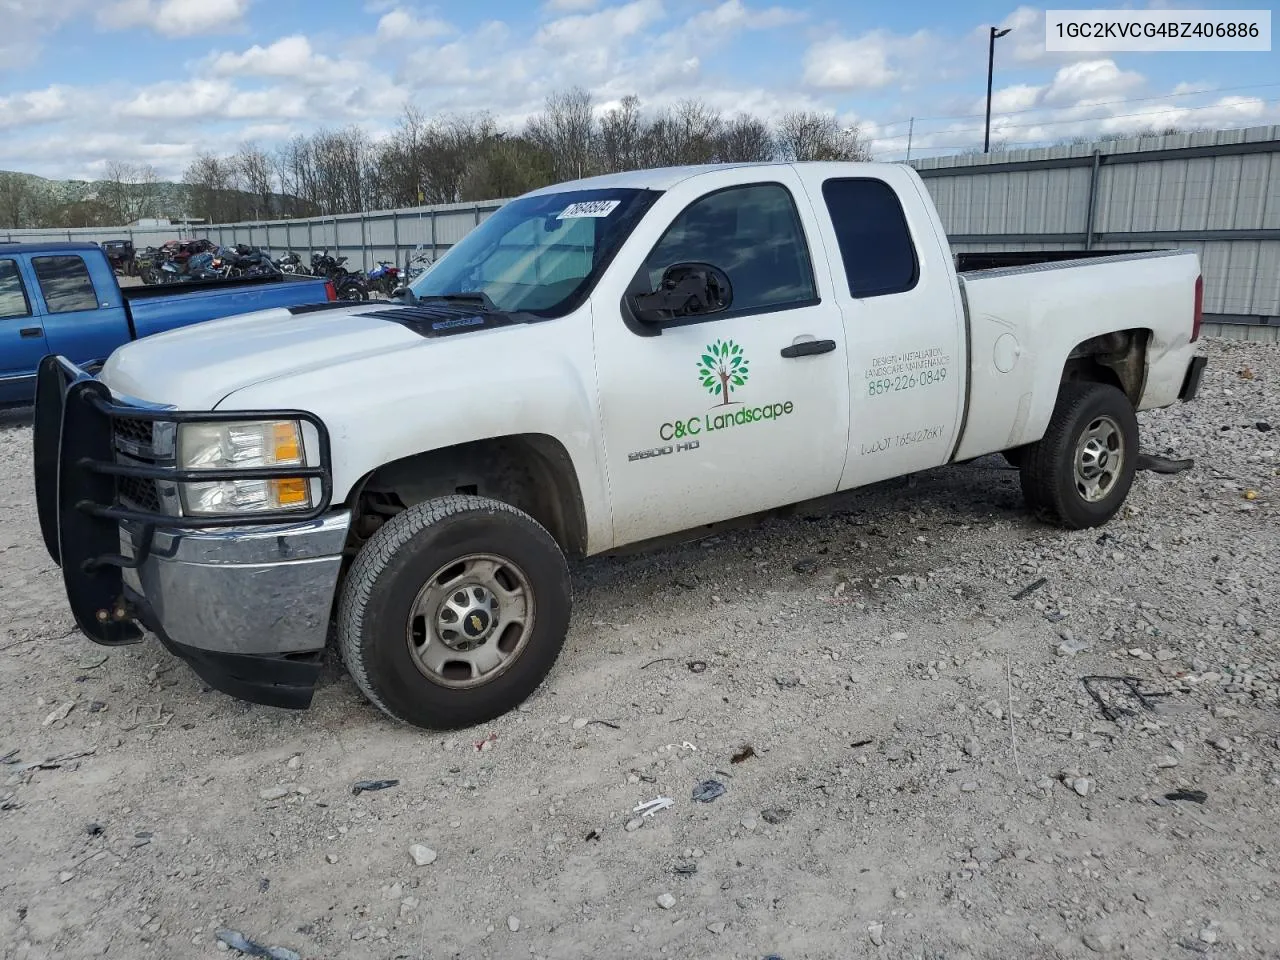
[(403, 294), (686, 289)]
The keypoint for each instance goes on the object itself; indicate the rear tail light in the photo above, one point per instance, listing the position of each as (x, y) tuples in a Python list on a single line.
[(332, 294), (1198, 315)]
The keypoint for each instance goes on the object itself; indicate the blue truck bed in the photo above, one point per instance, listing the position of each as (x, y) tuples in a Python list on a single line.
[(63, 298)]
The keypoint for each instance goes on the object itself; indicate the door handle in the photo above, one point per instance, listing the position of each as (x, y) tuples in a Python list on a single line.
[(808, 348), (30, 332)]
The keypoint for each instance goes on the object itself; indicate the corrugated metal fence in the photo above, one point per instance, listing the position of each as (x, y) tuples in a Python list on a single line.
[(1217, 193), (364, 238)]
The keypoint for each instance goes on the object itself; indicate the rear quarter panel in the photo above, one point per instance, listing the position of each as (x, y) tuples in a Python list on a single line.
[(1025, 321), (157, 314)]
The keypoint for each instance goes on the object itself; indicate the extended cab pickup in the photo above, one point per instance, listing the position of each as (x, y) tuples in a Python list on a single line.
[(63, 298), (598, 363)]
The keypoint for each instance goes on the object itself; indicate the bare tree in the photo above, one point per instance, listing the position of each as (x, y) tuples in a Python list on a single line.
[(295, 171), (621, 136), (211, 188), (745, 139), (566, 130), (401, 163), (507, 166), (253, 166), (696, 127), (809, 135), (146, 193), (339, 173), (453, 145)]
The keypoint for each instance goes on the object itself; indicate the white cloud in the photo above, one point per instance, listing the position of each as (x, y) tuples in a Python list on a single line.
[(205, 99), (36, 106), (175, 18), (569, 6), (1091, 80), (1023, 96), (401, 24), (733, 15), (595, 29), (840, 64), (289, 57)]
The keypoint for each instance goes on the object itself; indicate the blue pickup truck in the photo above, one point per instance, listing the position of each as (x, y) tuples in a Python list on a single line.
[(63, 298)]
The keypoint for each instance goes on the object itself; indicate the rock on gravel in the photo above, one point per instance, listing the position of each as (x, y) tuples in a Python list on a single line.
[(422, 855), (1098, 942), (666, 901)]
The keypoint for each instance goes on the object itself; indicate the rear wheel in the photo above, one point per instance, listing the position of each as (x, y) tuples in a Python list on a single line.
[(1080, 471), (454, 612), (352, 291)]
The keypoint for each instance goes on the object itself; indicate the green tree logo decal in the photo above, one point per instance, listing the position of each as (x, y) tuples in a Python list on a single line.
[(722, 369)]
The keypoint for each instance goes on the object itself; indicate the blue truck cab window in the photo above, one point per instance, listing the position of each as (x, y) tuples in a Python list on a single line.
[(65, 283)]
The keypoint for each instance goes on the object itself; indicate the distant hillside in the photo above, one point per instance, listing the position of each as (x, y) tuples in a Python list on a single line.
[(27, 200), (168, 195)]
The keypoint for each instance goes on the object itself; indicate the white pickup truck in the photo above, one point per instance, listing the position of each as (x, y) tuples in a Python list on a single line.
[(598, 363)]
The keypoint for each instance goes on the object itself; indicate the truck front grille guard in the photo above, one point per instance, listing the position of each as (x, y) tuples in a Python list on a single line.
[(78, 490)]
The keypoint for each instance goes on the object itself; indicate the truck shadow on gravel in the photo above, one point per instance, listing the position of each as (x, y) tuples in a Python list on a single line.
[(13, 418), (864, 538), (862, 528)]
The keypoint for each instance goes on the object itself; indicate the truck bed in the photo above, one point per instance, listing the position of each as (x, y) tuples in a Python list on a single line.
[(1016, 315), (160, 307), (160, 290)]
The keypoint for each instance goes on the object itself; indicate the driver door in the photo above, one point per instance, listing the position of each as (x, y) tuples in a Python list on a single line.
[(720, 415)]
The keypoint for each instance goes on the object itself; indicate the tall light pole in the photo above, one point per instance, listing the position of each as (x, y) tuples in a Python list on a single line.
[(991, 62)]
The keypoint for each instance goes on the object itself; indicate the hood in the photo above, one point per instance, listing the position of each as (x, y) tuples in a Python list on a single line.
[(195, 367)]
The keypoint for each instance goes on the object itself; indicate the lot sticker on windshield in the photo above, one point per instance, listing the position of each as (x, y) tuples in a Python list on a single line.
[(589, 208)]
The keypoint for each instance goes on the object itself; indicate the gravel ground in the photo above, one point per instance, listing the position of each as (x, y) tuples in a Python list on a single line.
[(928, 775)]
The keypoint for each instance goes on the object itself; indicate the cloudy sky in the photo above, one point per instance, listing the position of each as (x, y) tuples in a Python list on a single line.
[(83, 82)]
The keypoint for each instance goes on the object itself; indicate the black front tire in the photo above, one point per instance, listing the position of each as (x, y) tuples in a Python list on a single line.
[(382, 587), (1051, 481)]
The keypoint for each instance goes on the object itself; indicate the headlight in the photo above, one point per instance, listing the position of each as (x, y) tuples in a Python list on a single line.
[(242, 445)]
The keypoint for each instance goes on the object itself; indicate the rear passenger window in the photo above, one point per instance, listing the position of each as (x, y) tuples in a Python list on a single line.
[(65, 283), (871, 230), (13, 295)]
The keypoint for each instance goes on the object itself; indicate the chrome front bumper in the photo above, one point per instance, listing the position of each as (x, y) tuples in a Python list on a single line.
[(248, 591), (245, 602)]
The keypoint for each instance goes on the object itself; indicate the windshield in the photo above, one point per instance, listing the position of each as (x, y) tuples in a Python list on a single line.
[(539, 254)]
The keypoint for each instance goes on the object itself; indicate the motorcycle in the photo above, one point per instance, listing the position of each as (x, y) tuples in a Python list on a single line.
[(250, 262), (348, 284), (170, 272), (385, 277), (416, 266), (205, 266), (291, 262)]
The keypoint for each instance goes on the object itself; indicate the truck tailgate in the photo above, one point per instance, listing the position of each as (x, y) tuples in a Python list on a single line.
[(151, 312), (1024, 322)]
